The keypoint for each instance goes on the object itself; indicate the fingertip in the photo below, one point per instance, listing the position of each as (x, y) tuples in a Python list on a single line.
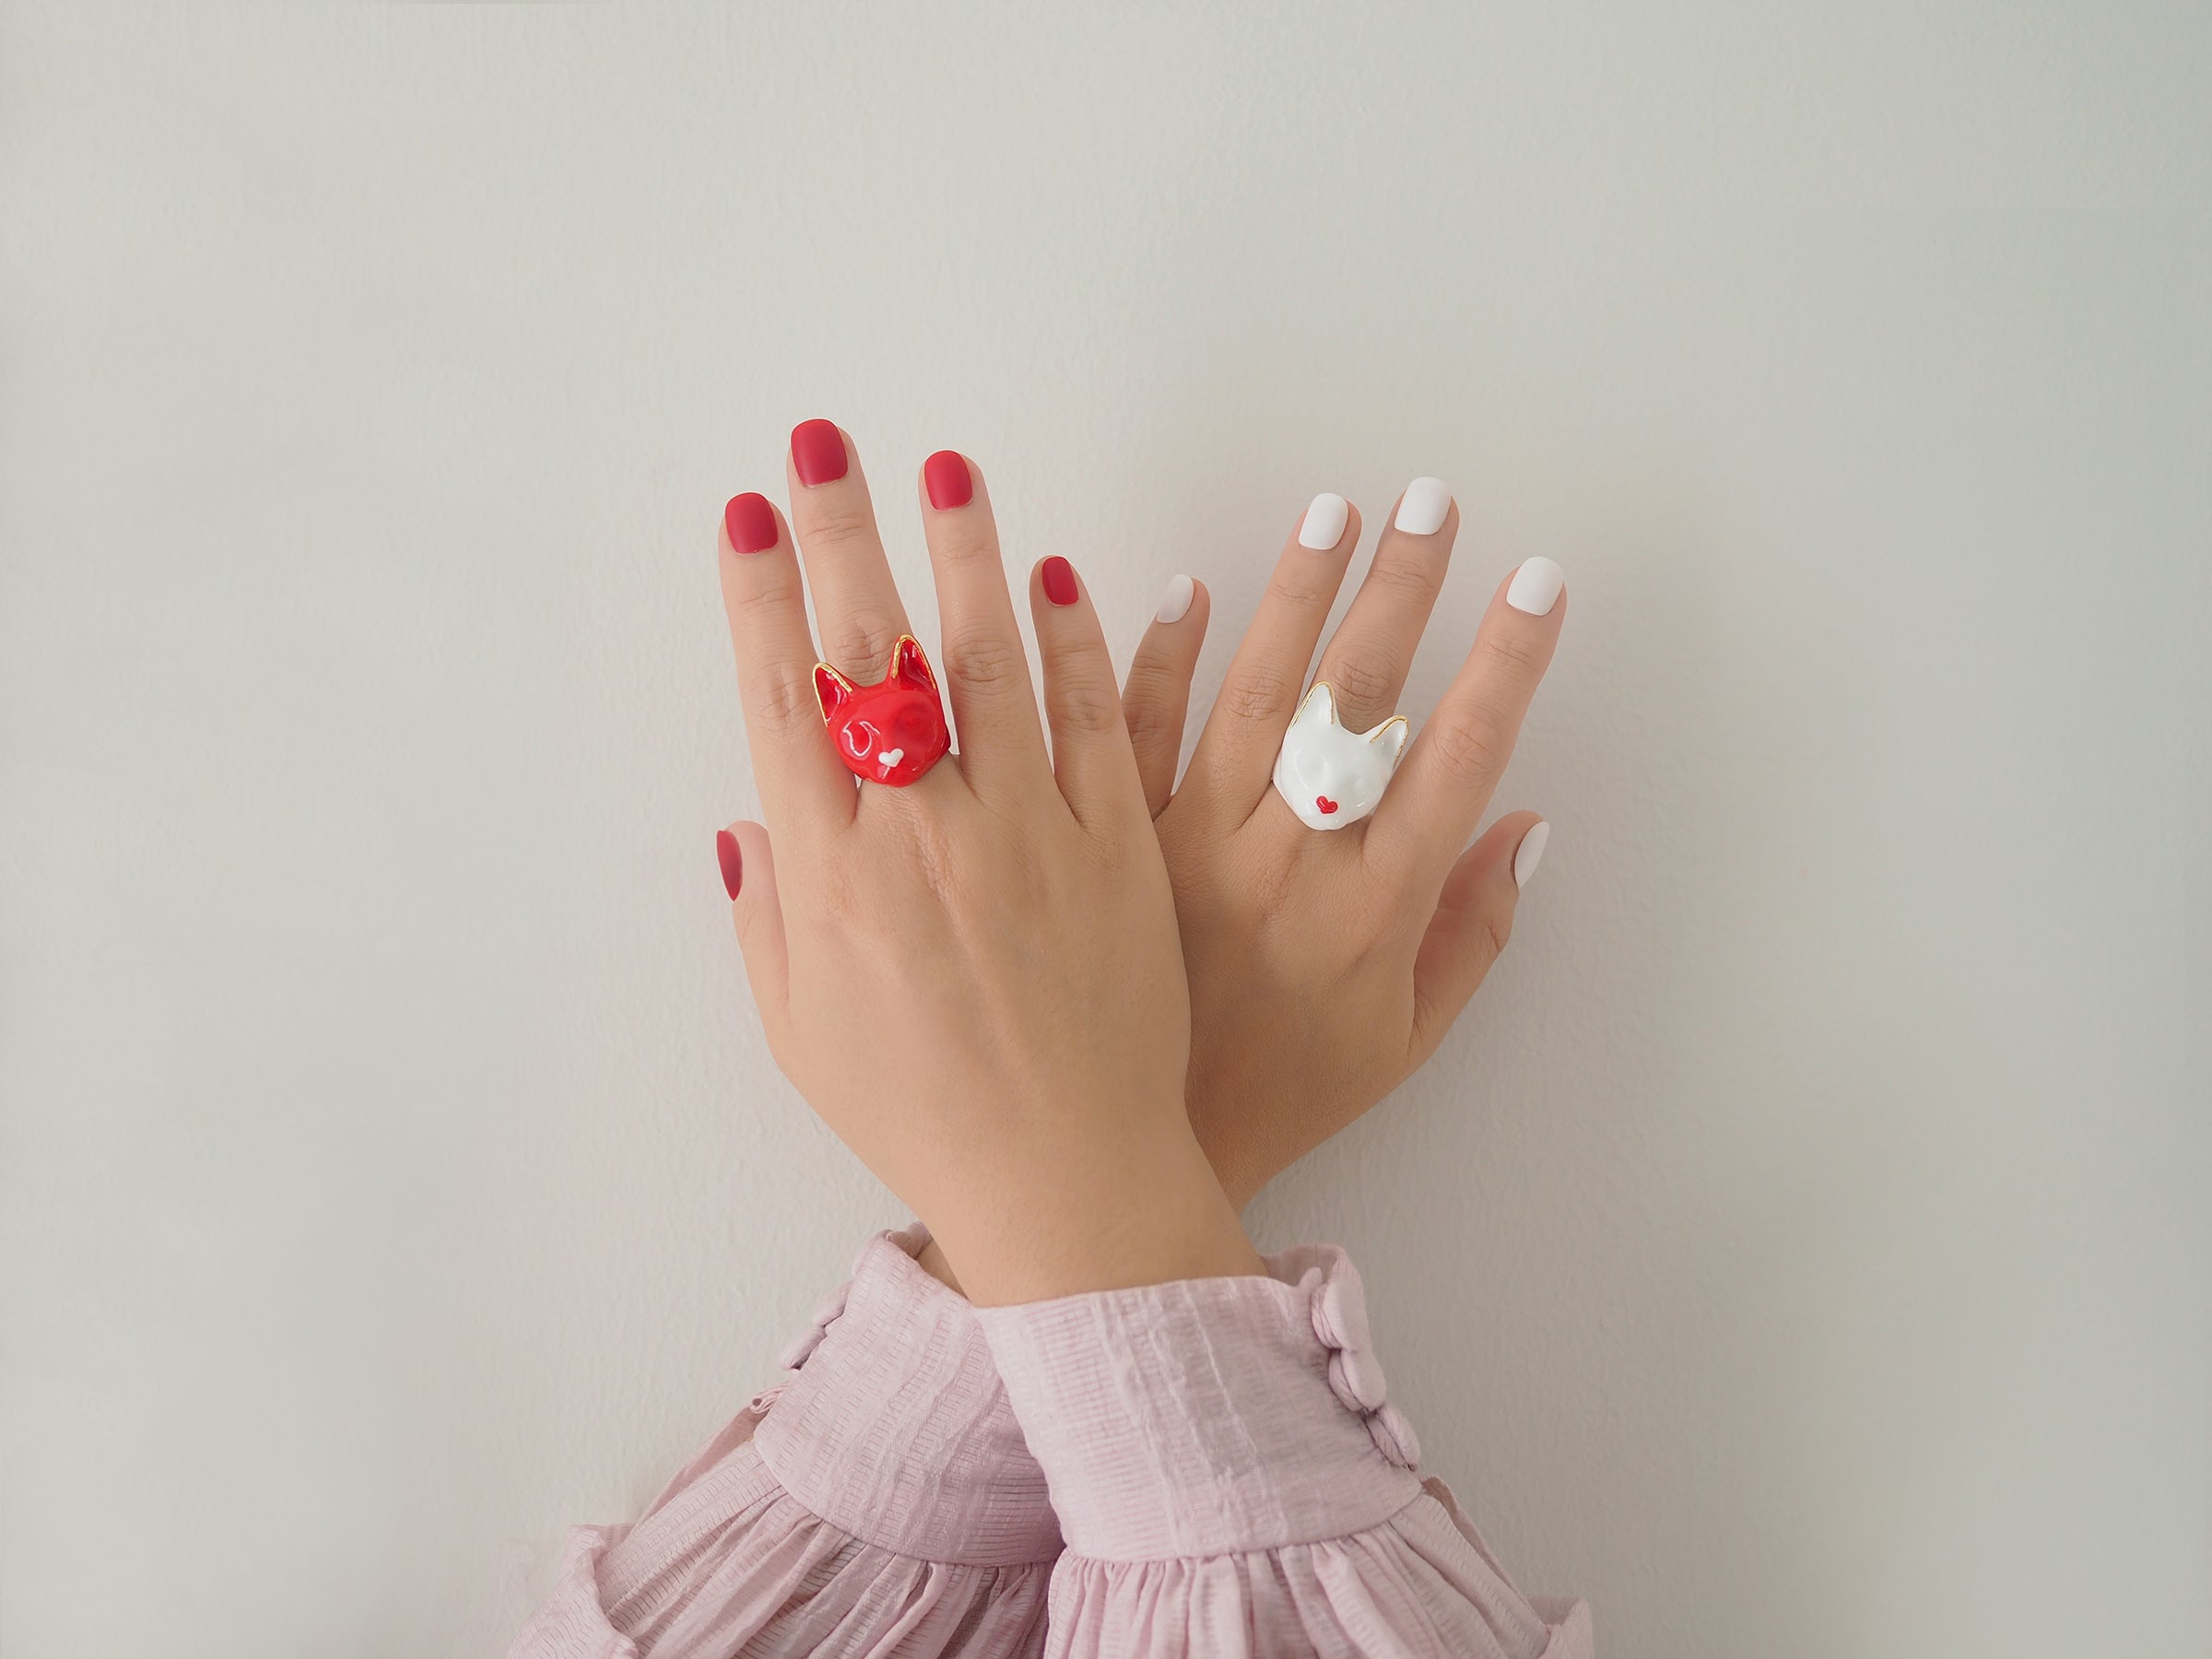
[(731, 857), (1529, 853), (821, 452), (1425, 507), (1483, 872), (948, 480), (1327, 516), (1200, 616), (1175, 604), (1535, 586), (749, 875), (751, 524)]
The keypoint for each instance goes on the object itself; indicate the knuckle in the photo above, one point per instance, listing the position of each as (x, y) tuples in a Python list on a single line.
[(1152, 697), (1152, 677), (1259, 694), (1469, 747), (1148, 721), (836, 523), (781, 697), (983, 662), (763, 604), (1509, 649), (861, 643), (1418, 578), (1365, 684), (1300, 589), (1085, 702), (962, 551)]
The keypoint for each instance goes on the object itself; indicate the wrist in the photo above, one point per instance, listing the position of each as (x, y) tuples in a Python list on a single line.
[(1229, 1119), (1111, 1224)]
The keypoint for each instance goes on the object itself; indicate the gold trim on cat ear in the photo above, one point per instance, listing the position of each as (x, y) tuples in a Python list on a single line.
[(1328, 693), (1391, 733), (830, 689), (908, 651)]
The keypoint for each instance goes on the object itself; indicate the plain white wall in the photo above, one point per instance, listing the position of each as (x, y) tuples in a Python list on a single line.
[(1800, 1249)]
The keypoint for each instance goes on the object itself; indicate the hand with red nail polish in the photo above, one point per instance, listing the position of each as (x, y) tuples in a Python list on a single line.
[(975, 979), (945, 477), (818, 452), (1326, 967)]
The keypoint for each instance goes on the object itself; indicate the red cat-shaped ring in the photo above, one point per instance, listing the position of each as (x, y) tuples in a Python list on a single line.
[(891, 731)]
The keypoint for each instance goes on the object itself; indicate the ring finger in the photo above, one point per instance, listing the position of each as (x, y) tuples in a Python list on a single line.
[(1368, 658), (1433, 807)]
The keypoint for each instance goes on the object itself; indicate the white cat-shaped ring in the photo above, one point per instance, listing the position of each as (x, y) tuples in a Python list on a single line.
[(1331, 777)]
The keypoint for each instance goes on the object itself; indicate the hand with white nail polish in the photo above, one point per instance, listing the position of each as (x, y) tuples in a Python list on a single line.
[(1325, 968)]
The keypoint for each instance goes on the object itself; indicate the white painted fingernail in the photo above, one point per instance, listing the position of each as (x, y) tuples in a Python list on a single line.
[(1535, 586), (1530, 853), (1324, 523), (1176, 605), (1422, 508)]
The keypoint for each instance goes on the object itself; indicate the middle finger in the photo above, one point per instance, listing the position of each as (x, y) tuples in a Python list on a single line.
[(857, 612), (1368, 658)]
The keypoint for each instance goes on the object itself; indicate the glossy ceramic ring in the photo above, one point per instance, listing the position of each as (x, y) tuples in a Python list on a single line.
[(891, 731), (1331, 777)]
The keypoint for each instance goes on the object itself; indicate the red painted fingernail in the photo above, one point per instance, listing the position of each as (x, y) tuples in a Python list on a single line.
[(946, 476), (818, 449), (751, 523), (731, 860), (1059, 581)]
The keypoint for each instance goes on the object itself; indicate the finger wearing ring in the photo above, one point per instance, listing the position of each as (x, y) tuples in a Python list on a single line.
[(891, 731), (1331, 777)]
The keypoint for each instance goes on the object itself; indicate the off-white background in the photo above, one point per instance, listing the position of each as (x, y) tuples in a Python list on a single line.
[(1800, 1249)]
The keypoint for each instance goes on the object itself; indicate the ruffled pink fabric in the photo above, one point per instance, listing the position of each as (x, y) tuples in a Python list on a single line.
[(1221, 1455), (879, 1502), (742, 1568), (1413, 1586)]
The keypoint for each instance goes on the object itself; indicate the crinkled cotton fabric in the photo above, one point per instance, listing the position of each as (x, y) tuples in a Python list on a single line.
[(1221, 1456)]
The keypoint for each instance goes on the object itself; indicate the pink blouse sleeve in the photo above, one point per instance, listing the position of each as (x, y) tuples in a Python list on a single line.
[(1233, 1482), (880, 1501)]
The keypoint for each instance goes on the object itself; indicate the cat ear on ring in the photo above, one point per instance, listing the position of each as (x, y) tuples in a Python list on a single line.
[(891, 731), (1331, 777)]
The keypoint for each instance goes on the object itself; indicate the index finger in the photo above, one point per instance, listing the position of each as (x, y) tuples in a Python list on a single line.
[(801, 778)]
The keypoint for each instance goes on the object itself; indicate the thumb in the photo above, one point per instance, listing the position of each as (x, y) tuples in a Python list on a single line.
[(749, 875), (1474, 919)]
